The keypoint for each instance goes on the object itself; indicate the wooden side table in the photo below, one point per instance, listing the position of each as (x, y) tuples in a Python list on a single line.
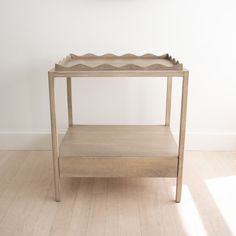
[(118, 150)]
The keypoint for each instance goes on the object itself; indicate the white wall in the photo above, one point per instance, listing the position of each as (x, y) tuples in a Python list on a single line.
[(36, 34)]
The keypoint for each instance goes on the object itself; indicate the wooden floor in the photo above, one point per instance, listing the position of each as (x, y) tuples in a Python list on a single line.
[(118, 206)]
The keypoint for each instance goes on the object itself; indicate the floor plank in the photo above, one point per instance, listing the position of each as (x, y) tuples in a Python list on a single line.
[(13, 178), (28, 201), (116, 206)]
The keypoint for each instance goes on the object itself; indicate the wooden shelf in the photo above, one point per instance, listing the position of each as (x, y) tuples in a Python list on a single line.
[(129, 150)]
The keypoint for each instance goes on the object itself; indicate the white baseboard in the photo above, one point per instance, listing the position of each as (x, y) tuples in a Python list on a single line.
[(42, 141), (25, 140)]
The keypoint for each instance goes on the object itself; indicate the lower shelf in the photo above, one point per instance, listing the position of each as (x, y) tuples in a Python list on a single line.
[(118, 151)]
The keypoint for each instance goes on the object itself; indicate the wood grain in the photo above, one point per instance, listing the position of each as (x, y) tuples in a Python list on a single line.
[(118, 141), (112, 206), (118, 151)]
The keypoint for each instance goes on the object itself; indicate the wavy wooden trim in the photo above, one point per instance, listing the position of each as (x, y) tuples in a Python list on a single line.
[(173, 60), (65, 60), (110, 55), (61, 66)]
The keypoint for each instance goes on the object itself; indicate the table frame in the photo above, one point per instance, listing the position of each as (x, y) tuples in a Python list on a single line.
[(52, 75)]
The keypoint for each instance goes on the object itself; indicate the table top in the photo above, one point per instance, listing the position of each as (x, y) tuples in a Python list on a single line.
[(111, 62)]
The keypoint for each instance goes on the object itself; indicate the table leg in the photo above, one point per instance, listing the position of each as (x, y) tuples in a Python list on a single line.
[(182, 135), (69, 101), (55, 150), (168, 100)]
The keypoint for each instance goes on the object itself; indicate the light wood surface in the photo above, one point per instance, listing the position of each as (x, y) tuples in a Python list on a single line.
[(118, 167), (118, 151), (116, 206), (118, 141)]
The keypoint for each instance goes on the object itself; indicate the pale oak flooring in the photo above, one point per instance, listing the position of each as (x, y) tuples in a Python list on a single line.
[(117, 206)]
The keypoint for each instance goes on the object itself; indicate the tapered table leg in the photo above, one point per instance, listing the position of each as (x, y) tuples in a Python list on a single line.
[(69, 101), (55, 152), (168, 100), (182, 135)]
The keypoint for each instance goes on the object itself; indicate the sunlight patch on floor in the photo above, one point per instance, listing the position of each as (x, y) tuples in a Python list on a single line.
[(223, 191), (189, 214)]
